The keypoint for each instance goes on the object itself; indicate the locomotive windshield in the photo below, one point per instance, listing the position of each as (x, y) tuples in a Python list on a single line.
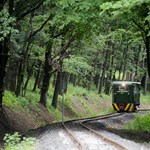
[(122, 88)]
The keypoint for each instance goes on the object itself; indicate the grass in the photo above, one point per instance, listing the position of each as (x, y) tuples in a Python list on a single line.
[(140, 123), (10, 99), (85, 100), (145, 98)]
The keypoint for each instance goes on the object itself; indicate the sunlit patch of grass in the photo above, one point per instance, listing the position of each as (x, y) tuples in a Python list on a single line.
[(140, 123), (145, 98), (10, 99)]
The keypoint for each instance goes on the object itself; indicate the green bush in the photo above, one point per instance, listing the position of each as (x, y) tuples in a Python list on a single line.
[(10, 99), (14, 142), (140, 123)]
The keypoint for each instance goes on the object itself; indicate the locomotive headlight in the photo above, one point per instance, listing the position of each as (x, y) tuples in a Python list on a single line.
[(123, 84)]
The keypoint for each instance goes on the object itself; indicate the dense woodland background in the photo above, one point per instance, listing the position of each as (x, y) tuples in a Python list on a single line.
[(88, 43)]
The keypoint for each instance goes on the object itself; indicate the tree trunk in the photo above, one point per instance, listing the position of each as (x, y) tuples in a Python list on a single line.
[(96, 78), (111, 71), (20, 78), (90, 79), (54, 79), (73, 79), (148, 52), (47, 74), (22, 67), (30, 72), (11, 75), (23, 61), (4, 49), (127, 76), (3, 61), (57, 89), (103, 73), (58, 85), (37, 77), (137, 63), (45, 85), (145, 84), (125, 64), (65, 81)]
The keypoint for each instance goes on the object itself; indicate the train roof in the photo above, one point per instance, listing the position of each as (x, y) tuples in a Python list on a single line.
[(125, 82)]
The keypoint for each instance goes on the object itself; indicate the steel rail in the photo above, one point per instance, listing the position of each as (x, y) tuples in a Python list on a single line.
[(85, 120), (75, 140), (89, 118), (142, 110), (105, 139), (102, 117)]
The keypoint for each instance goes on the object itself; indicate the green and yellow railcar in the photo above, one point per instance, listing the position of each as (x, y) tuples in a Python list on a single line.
[(125, 95)]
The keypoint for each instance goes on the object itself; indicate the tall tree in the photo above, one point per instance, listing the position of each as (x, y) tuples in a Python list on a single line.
[(11, 9), (138, 12)]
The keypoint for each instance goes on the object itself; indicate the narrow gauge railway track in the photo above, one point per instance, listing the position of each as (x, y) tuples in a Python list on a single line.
[(71, 135), (107, 140), (97, 134), (142, 110), (114, 114)]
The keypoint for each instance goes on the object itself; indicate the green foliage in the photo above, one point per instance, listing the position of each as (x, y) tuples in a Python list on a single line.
[(123, 5), (55, 112), (77, 65), (10, 99), (140, 123), (14, 142), (94, 33), (6, 22)]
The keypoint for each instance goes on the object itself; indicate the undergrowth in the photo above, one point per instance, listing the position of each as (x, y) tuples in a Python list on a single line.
[(140, 123), (14, 142), (85, 98), (145, 98)]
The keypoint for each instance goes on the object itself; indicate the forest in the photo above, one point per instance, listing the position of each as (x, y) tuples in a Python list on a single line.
[(73, 48), (87, 43)]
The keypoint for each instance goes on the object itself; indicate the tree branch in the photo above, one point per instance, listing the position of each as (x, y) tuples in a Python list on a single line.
[(42, 26), (141, 28), (57, 35), (63, 49), (29, 11)]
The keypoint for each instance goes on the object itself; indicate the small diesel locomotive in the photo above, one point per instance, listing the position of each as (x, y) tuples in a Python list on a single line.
[(125, 95)]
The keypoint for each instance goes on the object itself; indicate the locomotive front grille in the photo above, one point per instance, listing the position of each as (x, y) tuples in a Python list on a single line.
[(123, 107)]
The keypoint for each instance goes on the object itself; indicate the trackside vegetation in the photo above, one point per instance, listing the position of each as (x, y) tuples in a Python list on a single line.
[(14, 142), (140, 123), (76, 100)]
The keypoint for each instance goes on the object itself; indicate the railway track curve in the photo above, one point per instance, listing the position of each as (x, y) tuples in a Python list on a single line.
[(82, 123)]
